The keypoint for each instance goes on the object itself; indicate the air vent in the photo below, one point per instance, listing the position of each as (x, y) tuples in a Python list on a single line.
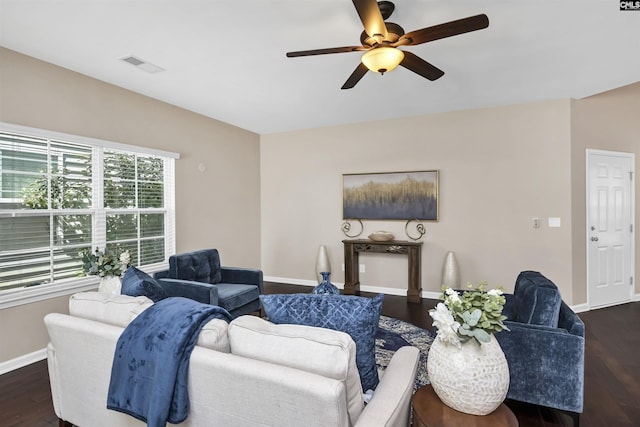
[(142, 64), (133, 60)]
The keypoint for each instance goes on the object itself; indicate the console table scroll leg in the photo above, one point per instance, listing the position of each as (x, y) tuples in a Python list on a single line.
[(414, 292)]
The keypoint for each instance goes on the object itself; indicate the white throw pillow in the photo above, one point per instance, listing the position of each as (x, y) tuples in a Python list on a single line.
[(117, 310), (325, 352)]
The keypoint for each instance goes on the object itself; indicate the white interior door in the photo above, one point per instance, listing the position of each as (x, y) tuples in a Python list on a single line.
[(609, 227)]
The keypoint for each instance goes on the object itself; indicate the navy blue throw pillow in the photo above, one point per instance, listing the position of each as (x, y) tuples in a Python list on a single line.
[(138, 283), (357, 316), (537, 300)]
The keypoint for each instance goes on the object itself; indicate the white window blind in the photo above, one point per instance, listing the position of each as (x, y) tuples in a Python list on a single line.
[(63, 194)]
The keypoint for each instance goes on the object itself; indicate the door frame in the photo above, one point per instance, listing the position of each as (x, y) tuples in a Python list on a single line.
[(631, 156)]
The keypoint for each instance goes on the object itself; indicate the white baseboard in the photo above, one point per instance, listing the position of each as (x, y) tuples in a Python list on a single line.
[(22, 361), (363, 288), (580, 308), (301, 282)]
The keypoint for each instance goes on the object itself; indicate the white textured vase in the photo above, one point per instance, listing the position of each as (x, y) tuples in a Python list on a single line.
[(322, 263), (450, 271), (110, 285), (473, 379)]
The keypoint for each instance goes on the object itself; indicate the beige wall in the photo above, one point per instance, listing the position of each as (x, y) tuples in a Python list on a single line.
[(608, 121), (22, 329), (280, 195), (499, 168), (215, 208)]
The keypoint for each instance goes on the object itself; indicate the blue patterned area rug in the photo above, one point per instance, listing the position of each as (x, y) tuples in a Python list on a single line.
[(393, 334)]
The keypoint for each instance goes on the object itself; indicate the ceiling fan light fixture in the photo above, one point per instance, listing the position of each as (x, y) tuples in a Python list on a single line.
[(382, 59)]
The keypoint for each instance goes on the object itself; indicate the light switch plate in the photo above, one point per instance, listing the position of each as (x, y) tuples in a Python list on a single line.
[(554, 222)]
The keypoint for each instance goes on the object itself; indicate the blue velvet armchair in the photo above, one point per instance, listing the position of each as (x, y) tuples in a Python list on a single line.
[(199, 275), (544, 347)]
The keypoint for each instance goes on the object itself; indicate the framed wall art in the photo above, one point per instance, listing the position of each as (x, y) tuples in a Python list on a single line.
[(391, 196)]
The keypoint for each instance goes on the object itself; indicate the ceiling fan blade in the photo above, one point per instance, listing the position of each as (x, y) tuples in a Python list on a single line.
[(355, 77), (420, 66), (371, 17), (325, 51), (448, 29)]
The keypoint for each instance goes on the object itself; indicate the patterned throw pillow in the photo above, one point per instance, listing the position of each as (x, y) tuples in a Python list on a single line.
[(357, 316), (138, 283)]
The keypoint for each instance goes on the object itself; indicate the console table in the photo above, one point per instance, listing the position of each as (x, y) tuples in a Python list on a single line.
[(353, 247)]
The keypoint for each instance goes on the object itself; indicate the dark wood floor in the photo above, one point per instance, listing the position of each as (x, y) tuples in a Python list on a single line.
[(612, 371)]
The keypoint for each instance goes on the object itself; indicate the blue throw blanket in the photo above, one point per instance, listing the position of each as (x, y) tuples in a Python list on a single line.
[(150, 366)]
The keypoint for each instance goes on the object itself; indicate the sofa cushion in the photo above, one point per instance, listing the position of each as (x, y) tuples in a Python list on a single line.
[(234, 295), (198, 266), (117, 310), (138, 283), (320, 351), (537, 300), (357, 316)]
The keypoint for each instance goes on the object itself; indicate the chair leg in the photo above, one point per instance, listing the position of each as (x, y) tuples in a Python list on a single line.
[(576, 418)]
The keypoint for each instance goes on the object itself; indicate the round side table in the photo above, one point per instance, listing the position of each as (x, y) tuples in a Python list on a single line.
[(429, 411)]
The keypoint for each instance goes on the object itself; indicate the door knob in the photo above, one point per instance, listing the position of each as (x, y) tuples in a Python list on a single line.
[(594, 239)]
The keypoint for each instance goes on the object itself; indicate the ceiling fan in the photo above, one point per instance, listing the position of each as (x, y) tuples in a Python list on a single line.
[(380, 41)]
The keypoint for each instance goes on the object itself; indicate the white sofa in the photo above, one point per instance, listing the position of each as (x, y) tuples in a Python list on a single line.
[(248, 373)]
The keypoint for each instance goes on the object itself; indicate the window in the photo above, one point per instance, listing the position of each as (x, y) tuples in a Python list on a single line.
[(61, 194)]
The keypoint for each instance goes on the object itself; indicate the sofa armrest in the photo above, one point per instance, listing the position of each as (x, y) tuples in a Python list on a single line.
[(198, 291), (546, 365), (570, 321), (391, 402), (161, 274), (247, 276)]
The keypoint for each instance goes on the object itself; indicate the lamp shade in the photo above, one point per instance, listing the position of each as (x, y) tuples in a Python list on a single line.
[(382, 59)]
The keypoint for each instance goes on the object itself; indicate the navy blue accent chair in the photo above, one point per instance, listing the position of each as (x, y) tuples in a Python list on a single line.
[(544, 347), (198, 275)]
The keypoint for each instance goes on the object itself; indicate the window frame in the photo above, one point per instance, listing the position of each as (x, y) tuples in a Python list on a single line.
[(19, 296)]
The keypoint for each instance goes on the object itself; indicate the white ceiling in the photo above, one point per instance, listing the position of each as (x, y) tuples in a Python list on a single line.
[(226, 59)]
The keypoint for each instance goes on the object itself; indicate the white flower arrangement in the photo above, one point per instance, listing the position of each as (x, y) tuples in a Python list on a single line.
[(475, 314), (104, 264)]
